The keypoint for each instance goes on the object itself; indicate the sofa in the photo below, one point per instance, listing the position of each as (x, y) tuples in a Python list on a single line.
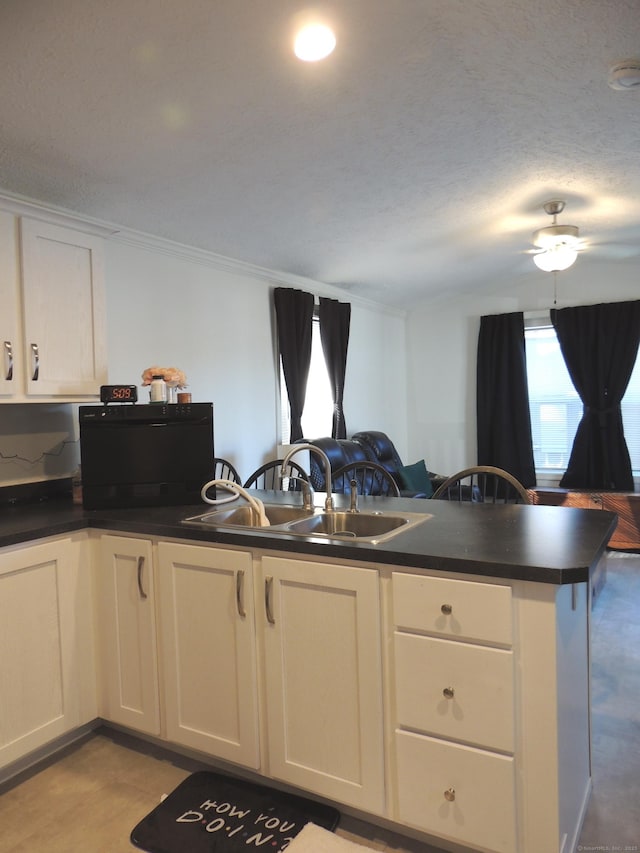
[(339, 451), (373, 446)]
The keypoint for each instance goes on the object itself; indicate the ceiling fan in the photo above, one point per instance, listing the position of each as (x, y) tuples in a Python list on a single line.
[(557, 246)]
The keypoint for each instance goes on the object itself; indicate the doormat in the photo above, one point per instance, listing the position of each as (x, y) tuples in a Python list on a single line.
[(212, 813)]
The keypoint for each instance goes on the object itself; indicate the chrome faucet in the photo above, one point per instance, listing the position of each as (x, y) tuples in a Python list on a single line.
[(328, 504)]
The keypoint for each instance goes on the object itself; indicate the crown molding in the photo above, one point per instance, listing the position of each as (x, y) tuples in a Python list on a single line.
[(34, 209), (142, 240), (24, 206)]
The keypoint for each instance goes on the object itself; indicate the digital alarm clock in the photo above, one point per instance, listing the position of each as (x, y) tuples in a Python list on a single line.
[(118, 394)]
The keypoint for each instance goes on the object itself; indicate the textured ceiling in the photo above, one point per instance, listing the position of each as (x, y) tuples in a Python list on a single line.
[(414, 161)]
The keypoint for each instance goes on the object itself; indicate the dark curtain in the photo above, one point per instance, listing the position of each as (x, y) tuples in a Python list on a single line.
[(294, 315), (600, 345), (503, 417), (335, 322)]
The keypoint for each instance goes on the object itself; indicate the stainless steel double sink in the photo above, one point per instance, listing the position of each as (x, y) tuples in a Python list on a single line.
[(370, 527)]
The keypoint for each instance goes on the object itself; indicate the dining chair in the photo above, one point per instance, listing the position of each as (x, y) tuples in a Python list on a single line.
[(483, 484), (269, 476), (224, 470), (372, 479)]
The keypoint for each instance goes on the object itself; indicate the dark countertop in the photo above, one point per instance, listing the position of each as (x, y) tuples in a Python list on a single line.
[(554, 545)]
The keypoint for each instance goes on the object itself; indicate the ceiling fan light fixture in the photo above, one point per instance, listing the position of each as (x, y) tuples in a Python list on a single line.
[(554, 235), (559, 243), (556, 258)]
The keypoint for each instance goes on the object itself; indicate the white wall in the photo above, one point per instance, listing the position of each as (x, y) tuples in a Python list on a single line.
[(215, 322), (213, 318), (442, 339)]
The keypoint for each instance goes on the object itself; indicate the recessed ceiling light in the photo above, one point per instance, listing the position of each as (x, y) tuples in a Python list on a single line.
[(314, 42)]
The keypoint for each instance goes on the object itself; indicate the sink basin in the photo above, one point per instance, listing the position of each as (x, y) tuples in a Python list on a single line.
[(243, 516), (371, 527), (348, 524)]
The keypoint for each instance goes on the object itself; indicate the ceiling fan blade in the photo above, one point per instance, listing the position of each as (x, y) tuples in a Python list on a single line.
[(617, 251)]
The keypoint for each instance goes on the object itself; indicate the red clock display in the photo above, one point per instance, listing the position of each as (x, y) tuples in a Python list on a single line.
[(118, 394)]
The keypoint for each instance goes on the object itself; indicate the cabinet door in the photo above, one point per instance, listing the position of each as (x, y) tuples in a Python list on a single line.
[(209, 650), (9, 342), (64, 315), (129, 661), (323, 679), (46, 666)]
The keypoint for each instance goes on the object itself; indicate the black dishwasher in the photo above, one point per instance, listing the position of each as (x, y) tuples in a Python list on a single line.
[(145, 455)]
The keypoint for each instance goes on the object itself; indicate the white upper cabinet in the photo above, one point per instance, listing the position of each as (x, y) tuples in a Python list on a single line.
[(53, 329), (9, 317)]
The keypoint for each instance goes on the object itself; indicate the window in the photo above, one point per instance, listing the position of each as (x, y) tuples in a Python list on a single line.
[(318, 405), (555, 406)]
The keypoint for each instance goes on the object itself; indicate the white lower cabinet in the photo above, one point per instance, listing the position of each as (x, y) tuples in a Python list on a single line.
[(467, 720), (127, 633), (489, 698), (209, 650), (317, 627), (47, 675), (322, 658), (454, 710)]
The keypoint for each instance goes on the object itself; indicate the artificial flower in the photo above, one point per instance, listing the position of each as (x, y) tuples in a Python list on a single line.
[(172, 376)]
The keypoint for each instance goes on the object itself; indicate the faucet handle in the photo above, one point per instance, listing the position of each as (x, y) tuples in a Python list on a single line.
[(353, 493)]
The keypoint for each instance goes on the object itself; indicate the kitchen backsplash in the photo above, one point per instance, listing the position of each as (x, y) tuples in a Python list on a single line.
[(38, 441)]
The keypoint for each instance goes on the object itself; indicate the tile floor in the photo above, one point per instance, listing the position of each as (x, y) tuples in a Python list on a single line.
[(89, 798), (613, 817)]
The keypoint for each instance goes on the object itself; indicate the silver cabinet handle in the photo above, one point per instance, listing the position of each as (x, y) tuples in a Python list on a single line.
[(446, 609), (8, 352), (450, 795), (240, 594), (448, 692), (35, 352), (143, 594), (268, 586)]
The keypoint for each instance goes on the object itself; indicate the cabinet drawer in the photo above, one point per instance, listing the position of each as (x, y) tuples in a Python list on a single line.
[(453, 608), (455, 690), (456, 792)]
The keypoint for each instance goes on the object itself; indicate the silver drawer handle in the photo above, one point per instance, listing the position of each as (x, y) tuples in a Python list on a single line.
[(35, 352), (240, 594), (143, 594), (8, 351), (448, 692), (450, 795), (268, 586), (447, 609)]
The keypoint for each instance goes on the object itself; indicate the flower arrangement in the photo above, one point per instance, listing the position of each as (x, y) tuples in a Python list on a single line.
[(172, 376)]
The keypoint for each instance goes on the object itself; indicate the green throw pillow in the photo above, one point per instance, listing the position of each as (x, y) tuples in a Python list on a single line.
[(415, 478)]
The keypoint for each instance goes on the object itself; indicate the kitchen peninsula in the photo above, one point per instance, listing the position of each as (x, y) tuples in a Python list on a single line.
[(436, 683)]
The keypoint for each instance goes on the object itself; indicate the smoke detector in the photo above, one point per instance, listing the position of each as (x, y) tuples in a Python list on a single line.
[(625, 75)]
